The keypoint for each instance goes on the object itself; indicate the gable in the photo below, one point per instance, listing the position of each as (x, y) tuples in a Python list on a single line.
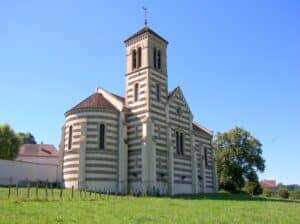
[(180, 116), (176, 97)]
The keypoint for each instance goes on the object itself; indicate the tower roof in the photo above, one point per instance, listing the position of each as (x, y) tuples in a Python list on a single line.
[(146, 29)]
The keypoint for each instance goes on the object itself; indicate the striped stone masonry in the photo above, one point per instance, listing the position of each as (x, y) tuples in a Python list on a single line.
[(145, 142)]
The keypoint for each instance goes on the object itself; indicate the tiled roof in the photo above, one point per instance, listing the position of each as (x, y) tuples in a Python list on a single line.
[(43, 150), (97, 100), (268, 183), (145, 30)]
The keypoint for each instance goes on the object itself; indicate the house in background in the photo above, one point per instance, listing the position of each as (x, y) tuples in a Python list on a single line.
[(38, 153), (270, 184), (34, 163)]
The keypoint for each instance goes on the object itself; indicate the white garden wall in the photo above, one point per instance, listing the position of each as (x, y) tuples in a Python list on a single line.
[(13, 172)]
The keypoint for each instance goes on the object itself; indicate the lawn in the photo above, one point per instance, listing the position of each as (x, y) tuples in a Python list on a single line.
[(214, 208)]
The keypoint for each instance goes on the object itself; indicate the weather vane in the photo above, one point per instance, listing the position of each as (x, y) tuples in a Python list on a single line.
[(145, 15)]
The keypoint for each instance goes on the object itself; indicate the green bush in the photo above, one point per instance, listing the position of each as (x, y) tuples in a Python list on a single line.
[(249, 187), (253, 188), (258, 190), (230, 186), (283, 192), (267, 192), (295, 195)]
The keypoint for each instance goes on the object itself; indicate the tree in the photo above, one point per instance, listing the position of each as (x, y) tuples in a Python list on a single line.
[(26, 138), (283, 192), (9, 142), (267, 192), (238, 158), (295, 194), (250, 187), (253, 188)]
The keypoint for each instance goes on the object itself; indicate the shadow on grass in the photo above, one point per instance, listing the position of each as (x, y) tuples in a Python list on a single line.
[(232, 197)]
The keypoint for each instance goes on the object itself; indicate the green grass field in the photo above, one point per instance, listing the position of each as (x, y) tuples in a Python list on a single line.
[(214, 208)]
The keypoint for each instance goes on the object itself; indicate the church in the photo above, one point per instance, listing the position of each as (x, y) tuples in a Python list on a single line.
[(144, 142)]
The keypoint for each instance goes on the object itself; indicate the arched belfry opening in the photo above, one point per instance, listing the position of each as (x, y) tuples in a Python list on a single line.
[(134, 59), (139, 62)]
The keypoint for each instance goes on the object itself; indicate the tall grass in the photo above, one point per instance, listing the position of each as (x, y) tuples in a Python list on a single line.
[(206, 208)]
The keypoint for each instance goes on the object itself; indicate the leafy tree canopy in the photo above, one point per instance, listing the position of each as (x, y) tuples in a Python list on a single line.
[(9, 142), (290, 187), (238, 158), (26, 138)]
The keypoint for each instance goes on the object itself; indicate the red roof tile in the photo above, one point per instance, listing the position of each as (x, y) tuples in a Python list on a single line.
[(38, 150), (97, 100), (268, 183)]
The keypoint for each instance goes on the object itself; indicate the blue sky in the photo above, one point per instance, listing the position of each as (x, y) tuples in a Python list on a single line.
[(236, 61)]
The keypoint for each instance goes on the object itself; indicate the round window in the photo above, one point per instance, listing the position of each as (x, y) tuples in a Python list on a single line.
[(178, 110)]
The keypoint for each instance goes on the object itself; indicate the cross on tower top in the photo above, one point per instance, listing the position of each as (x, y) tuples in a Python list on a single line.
[(145, 16)]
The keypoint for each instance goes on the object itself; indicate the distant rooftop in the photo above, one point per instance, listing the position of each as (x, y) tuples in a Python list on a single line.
[(42, 150), (268, 183)]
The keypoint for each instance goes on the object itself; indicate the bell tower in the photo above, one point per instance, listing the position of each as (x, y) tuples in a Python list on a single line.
[(146, 92), (146, 49)]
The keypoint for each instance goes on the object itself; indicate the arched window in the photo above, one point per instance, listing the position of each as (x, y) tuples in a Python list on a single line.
[(136, 92), (102, 137), (205, 158), (139, 57), (179, 143), (157, 92), (158, 59), (134, 59), (70, 137), (154, 57)]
